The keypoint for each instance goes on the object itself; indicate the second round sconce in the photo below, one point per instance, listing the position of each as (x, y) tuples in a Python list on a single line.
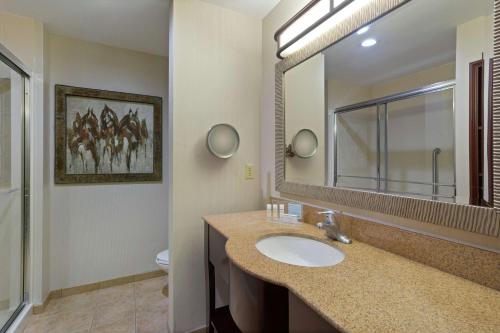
[(304, 144)]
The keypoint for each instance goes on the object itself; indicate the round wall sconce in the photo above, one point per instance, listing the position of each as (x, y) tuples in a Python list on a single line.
[(304, 144), (223, 140)]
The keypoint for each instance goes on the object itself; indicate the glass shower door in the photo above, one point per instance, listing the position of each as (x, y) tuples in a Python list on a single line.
[(12, 95), (357, 149), (420, 146)]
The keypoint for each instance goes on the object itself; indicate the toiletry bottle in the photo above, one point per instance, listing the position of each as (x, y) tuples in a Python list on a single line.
[(269, 212)]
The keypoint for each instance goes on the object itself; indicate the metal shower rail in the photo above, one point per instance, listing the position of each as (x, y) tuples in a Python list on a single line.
[(432, 88)]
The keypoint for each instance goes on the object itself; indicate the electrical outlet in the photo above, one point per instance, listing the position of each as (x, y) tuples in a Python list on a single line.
[(249, 171)]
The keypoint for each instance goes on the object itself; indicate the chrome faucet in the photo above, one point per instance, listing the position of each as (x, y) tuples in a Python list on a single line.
[(331, 227)]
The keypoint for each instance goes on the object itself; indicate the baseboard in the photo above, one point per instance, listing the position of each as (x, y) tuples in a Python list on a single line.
[(202, 329), (37, 309), (4, 304), (21, 321), (58, 293)]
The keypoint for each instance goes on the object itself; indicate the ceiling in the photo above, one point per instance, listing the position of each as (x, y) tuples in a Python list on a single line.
[(140, 25), (419, 35), (255, 8)]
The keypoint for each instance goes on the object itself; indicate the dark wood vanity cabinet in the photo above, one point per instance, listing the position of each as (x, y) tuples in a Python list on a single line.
[(240, 302), (256, 305), (219, 318)]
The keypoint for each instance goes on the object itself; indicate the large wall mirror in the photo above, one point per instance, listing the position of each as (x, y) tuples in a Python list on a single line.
[(401, 105)]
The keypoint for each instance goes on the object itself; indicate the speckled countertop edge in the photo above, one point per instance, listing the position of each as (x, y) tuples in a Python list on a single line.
[(371, 290)]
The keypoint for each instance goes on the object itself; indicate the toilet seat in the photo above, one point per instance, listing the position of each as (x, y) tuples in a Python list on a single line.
[(162, 259)]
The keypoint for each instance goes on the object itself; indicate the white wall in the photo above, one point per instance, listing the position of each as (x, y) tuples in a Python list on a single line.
[(99, 232), (216, 57)]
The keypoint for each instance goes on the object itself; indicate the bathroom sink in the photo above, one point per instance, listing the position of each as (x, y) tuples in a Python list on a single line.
[(299, 251)]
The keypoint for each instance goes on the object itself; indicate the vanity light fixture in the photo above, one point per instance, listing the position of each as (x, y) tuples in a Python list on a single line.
[(369, 42), (363, 30), (317, 17)]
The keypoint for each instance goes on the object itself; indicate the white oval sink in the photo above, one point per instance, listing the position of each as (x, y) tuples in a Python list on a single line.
[(299, 251)]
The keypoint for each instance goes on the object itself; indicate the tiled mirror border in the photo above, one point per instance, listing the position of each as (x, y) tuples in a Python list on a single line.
[(469, 218)]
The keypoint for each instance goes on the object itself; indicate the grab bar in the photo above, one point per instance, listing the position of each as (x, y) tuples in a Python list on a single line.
[(398, 181), (435, 173), (405, 193)]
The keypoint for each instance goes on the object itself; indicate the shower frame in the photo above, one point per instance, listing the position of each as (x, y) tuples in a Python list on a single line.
[(9, 59), (382, 112)]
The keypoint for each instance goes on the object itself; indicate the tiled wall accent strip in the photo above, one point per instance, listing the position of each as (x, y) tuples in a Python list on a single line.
[(496, 108)]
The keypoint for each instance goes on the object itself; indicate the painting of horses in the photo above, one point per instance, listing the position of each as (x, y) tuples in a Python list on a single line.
[(104, 136)]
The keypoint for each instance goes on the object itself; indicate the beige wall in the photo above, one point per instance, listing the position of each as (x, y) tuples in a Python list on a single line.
[(345, 93), (216, 60), (341, 93), (414, 80), (99, 232), (474, 39), (305, 100), (19, 34)]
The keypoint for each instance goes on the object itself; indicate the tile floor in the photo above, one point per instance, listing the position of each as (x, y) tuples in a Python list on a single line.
[(139, 307)]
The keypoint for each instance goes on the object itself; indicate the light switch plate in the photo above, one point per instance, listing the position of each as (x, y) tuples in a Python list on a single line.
[(249, 171)]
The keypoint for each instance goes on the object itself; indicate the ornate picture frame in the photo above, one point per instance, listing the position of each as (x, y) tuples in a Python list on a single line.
[(106, 136)]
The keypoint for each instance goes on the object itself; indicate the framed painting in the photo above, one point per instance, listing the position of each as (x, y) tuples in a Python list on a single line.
[(106, 136)]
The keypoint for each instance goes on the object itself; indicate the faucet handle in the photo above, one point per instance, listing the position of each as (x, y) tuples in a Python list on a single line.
[(329, 216)]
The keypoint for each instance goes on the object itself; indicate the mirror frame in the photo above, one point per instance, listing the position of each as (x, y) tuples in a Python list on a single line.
[(481, 220)]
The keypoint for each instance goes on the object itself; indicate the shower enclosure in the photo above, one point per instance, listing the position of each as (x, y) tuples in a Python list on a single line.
[(14, 187), (400, 144)]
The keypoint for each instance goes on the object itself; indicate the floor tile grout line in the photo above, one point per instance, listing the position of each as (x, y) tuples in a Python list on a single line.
[(137, 288), (93, 316), (135, 307)]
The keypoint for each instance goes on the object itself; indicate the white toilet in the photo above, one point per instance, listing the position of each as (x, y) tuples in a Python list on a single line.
[(162, 260)]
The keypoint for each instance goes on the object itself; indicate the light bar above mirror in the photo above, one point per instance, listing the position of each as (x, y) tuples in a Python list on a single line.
[(312, 21)]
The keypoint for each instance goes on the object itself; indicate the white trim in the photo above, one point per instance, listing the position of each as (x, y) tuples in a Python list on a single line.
[(22, 320), (196, 330)]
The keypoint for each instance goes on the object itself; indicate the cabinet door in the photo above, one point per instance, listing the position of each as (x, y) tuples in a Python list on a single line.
[(303, 319), (256, 305), (220, 261)]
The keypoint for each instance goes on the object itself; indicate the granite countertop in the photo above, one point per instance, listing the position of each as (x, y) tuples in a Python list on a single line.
[(371, 290)]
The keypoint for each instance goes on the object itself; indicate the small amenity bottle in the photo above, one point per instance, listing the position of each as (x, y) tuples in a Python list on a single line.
[(269, 212)]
